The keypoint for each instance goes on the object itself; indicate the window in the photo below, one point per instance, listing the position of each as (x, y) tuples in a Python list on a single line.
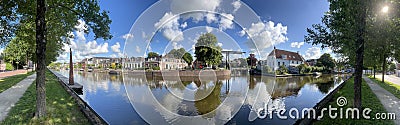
[(292, 61), (279, 63), (283, 56), (283, 63)]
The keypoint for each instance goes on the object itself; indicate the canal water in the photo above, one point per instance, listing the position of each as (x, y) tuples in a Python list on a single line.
[(230, 100)]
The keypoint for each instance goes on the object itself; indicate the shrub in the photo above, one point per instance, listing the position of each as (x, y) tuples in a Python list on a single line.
[(9, 66), (156, 68), (282, 70)]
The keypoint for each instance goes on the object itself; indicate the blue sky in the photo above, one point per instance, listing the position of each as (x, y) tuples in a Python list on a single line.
[(286, 20)]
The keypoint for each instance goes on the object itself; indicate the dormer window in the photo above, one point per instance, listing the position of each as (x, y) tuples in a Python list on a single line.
[(283, 56)]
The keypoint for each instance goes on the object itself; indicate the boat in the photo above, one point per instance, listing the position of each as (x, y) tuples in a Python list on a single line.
[(81, 69), (316, 74), (90, 70), (113, 72)]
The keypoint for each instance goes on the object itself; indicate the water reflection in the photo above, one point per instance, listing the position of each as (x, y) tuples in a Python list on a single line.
[(110, 96)]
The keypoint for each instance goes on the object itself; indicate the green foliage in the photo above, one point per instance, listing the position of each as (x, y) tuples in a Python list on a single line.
[(282, 70), (207, 49), (392, 67), (177, 53), (302, 68), (113, 66), (266, 69), (326, 61), (188, 58), (152, 55), (9, 66), (156, 68)]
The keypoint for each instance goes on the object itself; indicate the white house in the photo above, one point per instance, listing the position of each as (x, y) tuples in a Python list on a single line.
[(134, 63), (285, 58)]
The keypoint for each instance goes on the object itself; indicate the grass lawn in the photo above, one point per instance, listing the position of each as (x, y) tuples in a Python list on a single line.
[(369, 100), (391, 87), (61, 107), (12, 80)]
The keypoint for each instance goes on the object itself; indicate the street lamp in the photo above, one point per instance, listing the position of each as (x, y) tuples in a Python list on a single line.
[(385, 9)]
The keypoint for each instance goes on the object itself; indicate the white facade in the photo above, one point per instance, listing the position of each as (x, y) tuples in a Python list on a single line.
[(275, 63)]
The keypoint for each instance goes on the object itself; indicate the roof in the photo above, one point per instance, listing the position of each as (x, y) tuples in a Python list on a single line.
[(289, 55)]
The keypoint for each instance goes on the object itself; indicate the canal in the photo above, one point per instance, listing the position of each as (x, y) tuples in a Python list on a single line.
[(231, 100)]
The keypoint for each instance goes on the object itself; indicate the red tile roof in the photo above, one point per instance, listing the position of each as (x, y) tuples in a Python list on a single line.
[(289, 55)]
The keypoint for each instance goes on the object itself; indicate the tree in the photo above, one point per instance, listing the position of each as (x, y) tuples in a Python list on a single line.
[(252, 61), (177, 53), (326, 61), (343, 30), (302, 68), (51, 24), (152, 55), (188, 58), (207, 50)]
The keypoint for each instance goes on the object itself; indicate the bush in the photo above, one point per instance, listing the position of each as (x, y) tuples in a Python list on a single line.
[(9, 66), (282, 70), (156, 68)]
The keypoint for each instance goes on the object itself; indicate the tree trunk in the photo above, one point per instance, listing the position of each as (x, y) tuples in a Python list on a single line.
[(374, 71), (360, 18), (41, 62), (383, 68)]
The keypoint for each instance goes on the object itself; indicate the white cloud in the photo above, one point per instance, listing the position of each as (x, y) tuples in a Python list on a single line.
[(210, 17), (316, 52), (138, 50), (184, 25), (144, 36), (180, 6), (219, 44), (127, 36), (115, 48), (170, 26), (296, 44), (265, 35), (236, 5), (209, 29), (80, 47), (80, 30), (226, 21), (176, 45)]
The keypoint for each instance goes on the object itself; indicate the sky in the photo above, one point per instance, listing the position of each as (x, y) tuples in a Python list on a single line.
[(252, 26)]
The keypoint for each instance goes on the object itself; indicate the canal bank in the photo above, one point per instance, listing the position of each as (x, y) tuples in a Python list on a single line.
[(76, 90)]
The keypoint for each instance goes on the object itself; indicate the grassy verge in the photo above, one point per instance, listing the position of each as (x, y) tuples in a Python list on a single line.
[(369, 100), (391, 87), (12, 80), (61, 107)]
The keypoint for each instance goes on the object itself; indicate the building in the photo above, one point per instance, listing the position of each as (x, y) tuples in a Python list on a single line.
[(133, 63), (284, 58), (166, 62), (312, 62)]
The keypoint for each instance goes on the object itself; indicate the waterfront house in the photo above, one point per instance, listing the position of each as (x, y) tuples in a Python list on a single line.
[(166, 62), (133, 63), (312, 62), (284, 58)]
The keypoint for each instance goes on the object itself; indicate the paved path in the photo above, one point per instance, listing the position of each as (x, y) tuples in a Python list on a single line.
[(388, 100), (11, 96), (391, 78), (11, 73)]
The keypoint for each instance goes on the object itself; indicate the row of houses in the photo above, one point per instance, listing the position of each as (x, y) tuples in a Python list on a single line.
[(275, 59), (132, 63)]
